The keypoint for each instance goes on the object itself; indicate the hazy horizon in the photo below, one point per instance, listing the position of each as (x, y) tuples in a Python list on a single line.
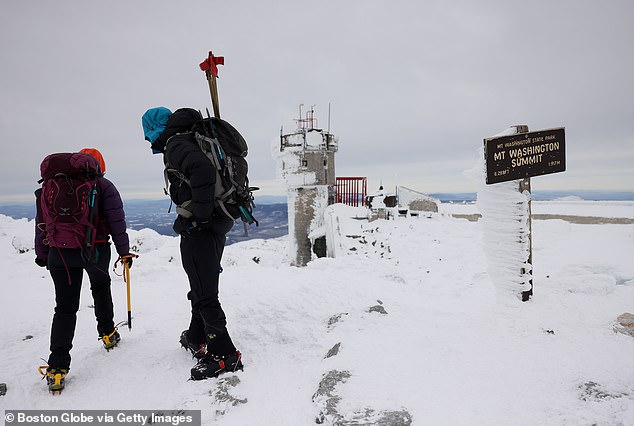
[(539, 195)]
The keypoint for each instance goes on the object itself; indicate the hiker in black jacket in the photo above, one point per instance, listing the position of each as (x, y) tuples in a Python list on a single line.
[(202, 236)]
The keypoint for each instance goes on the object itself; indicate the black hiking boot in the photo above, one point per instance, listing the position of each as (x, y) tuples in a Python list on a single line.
[(54, 378), (110, 340), (211, 366), (197, 350)]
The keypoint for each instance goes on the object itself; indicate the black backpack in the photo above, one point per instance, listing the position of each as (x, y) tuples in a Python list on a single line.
[(225, 147)]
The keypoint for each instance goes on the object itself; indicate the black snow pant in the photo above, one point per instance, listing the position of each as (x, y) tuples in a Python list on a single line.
[(67, 270), (201, 252)]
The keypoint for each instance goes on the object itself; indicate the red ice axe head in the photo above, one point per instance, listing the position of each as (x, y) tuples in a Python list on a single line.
[(210, 65)]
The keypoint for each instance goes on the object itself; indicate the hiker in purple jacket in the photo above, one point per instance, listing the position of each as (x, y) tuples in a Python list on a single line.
[(67, 266)]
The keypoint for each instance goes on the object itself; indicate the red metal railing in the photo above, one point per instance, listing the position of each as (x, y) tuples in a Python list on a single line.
[(352, 190)]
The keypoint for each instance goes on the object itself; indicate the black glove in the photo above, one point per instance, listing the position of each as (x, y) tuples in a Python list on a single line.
[(127, 260), (183, 225), (41, 262)]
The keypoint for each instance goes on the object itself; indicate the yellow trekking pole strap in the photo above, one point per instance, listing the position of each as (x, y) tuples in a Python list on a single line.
[(126, 279)]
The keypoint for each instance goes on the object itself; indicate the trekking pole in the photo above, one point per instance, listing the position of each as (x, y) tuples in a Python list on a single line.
[(210, 66), (126, 279)]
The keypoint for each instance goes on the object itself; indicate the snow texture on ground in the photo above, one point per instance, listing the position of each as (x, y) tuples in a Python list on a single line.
[(403, 327)]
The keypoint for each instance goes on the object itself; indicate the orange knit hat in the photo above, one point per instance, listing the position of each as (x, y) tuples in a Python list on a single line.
[(94, 152)]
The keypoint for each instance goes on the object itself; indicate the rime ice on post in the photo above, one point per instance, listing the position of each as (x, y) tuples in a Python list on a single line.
[(511, 158), (505, 210), (306, 163)]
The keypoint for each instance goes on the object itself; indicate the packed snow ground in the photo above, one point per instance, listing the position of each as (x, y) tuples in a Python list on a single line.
[(405, 328)]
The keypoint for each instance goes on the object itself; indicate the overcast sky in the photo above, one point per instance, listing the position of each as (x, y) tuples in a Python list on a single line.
[(413, 86)]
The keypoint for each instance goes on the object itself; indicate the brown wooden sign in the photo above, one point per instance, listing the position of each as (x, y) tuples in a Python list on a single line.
[(524, 155)]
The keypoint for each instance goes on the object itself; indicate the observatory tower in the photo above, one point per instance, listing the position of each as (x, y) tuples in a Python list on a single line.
[(306, 162)]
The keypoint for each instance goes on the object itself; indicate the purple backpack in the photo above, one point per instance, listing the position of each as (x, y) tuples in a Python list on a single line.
[(68, 200)]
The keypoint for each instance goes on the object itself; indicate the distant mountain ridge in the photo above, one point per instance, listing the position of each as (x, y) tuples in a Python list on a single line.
[(588, 195), (159, 216)]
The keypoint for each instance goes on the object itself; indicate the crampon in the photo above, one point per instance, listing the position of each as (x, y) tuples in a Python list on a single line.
[(55, 378), (111, 340)]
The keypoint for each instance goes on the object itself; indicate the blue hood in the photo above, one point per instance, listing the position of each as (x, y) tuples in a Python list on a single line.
[(154, 121)]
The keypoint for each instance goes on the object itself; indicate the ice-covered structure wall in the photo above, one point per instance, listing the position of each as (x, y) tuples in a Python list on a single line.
[(506, 230), (414, 200), (305, 163)]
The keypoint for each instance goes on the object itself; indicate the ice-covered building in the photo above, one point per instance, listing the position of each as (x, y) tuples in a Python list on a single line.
[(405, 202), (306, 163), (415, 202)]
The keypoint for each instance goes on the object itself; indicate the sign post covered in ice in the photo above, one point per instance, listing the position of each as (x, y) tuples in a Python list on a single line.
[(512, 158)]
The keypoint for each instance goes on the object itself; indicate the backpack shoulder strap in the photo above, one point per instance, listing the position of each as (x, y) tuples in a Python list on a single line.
[(211, 148)]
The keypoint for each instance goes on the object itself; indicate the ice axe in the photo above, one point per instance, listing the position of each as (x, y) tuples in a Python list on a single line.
[(126, 279), (210, 67)]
